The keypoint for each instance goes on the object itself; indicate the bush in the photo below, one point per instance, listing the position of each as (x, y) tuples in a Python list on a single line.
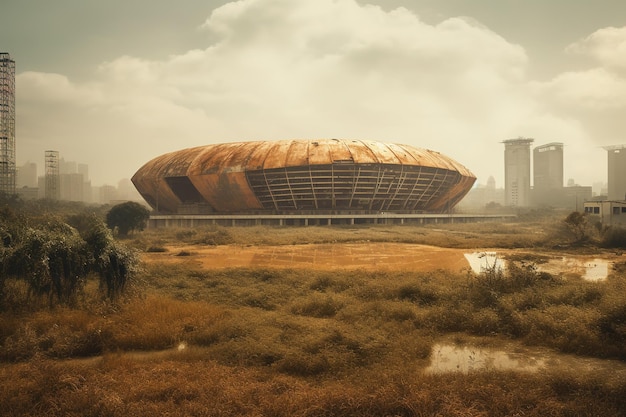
[(55, 260), (413, 293), (612, 326), (214, 237), (317, 306), (127, 217), (578, 228), (614, 237), (156, 249)]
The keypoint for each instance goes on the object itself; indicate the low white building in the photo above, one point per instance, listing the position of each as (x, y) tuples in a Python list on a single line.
[(610, 212)]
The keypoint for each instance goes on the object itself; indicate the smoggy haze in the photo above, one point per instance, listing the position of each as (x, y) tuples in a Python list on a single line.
[(113, 84)]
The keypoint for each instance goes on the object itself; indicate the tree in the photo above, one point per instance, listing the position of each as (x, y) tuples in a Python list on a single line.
[(127, 217), (55, 260), (577, 224)]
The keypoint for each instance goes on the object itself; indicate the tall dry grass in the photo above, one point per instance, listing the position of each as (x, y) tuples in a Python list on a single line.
[(461, 235), (187, 385), (286, 342)]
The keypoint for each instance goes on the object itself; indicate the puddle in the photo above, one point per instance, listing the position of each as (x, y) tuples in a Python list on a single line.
[(370, 256), (588, 269), (596, 270), (482, 261), (450, 358)]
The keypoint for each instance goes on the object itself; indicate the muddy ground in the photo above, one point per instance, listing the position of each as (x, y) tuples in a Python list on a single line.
[(368, 256), (388, 256)]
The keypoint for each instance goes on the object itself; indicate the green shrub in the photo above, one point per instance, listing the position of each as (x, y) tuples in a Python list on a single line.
[(54, 259), (127, 217)]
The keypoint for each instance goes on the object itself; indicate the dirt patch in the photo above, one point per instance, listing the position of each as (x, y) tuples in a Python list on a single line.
[(365, 255), (370, 256)]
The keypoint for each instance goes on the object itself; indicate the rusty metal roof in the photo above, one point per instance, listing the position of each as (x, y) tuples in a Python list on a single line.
[(218, 171)]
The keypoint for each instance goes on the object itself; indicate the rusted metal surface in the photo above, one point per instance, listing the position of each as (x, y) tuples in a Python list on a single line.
[(217, 172)]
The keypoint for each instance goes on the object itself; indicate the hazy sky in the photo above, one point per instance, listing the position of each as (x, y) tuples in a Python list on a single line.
[(114, 84)]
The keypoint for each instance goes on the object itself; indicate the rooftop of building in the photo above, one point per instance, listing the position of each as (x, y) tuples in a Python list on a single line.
[(518, 141)]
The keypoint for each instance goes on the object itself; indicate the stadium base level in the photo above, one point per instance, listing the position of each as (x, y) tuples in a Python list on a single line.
[(189, 221)]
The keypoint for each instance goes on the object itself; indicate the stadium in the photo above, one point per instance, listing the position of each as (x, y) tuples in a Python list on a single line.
[(303, 177)]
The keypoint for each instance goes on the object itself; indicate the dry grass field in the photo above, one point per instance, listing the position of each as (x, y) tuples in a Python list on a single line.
[(247, 322)]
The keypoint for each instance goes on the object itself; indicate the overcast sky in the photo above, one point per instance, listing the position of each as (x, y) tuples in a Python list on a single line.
[(114, 84)]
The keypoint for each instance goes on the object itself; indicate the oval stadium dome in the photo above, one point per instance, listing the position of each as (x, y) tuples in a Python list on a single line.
[(303, 176)]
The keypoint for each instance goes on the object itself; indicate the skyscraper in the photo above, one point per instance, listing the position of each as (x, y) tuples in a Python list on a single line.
[(517, 172), (548, 167), (26, 175), (616, 172), (7, 124), (548, 176)]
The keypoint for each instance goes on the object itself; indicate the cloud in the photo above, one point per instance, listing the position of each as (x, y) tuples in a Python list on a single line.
[(606, 45), (275, 69), (595, 97), (596, 89), (54, 89)]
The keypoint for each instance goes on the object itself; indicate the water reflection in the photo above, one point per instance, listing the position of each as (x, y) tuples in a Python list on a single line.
[(589, 269), (482, 261), (451, 358), (596, 270)]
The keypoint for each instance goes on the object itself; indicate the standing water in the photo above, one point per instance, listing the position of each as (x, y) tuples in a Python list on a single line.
[(483, 261), (589, 269)]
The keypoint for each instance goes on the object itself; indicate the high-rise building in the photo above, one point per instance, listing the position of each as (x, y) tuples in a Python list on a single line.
[(548, 167), (7, 124), (72, 187), (616, 172), (27, 175), (548, 175), (83, 169), (67, 167), (517, 172)]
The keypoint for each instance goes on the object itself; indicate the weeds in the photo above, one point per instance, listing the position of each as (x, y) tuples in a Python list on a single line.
[(288, 342)]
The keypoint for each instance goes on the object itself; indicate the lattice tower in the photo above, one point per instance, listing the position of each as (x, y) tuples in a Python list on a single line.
[(7, 124), (53, 179)]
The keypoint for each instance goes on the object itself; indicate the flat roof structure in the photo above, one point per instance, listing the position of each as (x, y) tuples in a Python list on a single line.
[(517, 172), (190, 221)]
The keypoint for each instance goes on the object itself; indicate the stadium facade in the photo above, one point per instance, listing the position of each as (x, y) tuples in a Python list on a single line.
[(303, 177)]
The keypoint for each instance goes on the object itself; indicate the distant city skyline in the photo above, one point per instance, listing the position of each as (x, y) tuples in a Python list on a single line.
[(116, 84), (69, 180)]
